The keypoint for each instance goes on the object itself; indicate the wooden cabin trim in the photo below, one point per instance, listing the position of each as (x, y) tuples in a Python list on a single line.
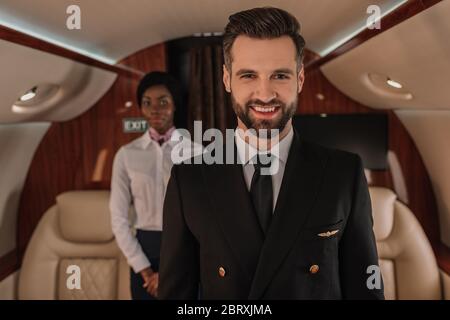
[(20, 38)]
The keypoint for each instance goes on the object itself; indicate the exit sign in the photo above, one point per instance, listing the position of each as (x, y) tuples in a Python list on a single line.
[(134, 125)]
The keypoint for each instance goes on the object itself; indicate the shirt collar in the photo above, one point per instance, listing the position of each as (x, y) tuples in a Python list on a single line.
[(156, 136), (146, 139), (282, 153)]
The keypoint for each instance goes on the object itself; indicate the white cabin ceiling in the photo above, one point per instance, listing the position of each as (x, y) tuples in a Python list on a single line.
[(415, 53), (114, 29)]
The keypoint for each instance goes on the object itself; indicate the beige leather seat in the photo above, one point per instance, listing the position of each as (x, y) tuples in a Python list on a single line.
[(407, 261), (76, 231)]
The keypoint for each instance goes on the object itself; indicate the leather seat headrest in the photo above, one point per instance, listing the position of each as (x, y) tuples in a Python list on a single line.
[(84, 216)]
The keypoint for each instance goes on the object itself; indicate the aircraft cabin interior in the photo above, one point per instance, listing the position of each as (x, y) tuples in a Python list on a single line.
[(376, 84)]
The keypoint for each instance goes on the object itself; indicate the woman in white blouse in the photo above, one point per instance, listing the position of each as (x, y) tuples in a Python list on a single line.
[(141, 171)]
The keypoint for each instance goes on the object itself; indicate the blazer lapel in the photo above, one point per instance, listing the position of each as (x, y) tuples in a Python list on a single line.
[(235, 214), (301, 180)]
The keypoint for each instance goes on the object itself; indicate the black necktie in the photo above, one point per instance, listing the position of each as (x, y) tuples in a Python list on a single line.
[(262, 194)]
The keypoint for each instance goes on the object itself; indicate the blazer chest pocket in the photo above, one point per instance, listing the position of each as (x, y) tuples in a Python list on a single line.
[(318, 244), (317, 260), (324, 232)]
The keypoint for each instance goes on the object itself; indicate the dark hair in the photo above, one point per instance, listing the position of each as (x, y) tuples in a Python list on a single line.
[(262, 23), (157, 78)]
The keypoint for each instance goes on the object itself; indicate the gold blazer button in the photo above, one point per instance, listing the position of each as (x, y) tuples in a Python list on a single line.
[(314, 269), (222, 272)]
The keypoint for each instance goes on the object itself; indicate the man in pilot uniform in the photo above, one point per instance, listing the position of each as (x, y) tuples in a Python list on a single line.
[(304, 231)]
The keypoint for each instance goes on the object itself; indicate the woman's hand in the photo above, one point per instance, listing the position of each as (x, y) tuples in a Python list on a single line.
[(151, 280)]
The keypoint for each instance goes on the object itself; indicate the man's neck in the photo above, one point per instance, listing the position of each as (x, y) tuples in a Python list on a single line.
[(263, 144)]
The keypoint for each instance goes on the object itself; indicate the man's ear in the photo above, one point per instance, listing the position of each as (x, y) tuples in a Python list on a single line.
[(301, 79), (226, 79)]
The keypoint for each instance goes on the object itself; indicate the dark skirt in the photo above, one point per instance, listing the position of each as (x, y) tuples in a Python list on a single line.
[(150, 242)]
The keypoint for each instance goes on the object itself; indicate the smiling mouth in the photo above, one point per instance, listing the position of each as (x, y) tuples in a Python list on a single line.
[(265, 111)]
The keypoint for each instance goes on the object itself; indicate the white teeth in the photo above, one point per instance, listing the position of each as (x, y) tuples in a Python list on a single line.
[(261, 109)]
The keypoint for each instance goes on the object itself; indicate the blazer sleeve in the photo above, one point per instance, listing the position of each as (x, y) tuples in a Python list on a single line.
[(357, 249), (179, 265)]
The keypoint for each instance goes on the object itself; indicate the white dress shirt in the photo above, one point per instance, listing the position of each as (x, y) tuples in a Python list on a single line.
[(278, 163), (141, 171)]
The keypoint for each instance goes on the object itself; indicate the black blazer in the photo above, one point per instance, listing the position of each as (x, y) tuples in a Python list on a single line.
[(212, 238)]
